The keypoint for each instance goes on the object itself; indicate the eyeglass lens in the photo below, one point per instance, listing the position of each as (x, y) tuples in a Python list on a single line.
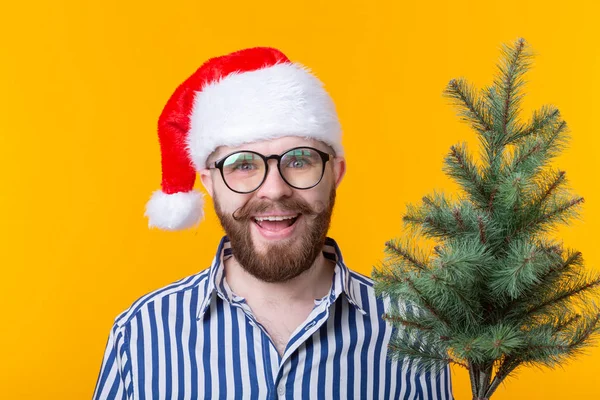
[(245, 171)]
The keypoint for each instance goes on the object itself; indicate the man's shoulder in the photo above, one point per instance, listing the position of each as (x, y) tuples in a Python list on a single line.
[(154, 299)]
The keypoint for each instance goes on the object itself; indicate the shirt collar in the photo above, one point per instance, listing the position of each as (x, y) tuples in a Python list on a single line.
[(343, 282)]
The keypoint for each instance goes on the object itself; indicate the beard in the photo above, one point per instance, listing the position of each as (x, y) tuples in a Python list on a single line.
[(285, 259)]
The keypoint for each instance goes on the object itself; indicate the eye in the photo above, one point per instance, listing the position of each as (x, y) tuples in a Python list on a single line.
[(245, 166), (242, 162), (301, 159), (298, 163)]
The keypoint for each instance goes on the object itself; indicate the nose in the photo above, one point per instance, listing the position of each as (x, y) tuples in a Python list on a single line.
[(274, 187)]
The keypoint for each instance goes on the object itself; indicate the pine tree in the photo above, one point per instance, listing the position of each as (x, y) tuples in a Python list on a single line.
[(495, 292)]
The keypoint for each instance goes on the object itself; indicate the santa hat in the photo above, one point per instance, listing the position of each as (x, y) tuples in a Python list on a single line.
[(246, 96)]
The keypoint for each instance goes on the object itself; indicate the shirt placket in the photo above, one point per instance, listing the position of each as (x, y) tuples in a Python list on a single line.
[(272, 355), (316, 319), (318, 316)]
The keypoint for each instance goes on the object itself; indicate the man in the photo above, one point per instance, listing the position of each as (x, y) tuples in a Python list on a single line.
[(278, 314)]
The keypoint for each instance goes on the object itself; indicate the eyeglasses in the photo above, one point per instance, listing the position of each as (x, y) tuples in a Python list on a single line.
[(245, 171)]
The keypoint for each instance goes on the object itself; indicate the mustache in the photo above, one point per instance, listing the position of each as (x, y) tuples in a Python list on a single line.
[(248, 210)]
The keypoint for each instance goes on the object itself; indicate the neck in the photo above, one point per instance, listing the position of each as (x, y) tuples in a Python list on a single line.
[(312, 284)]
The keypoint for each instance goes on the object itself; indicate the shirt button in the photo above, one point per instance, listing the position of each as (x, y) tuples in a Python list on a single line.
[(281, 390), (310, 325)]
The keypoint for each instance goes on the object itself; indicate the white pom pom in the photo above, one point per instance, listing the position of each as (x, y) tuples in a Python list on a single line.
[(175, 211)]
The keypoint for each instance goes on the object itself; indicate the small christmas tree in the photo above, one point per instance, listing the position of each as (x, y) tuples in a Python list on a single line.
[(495, 293)]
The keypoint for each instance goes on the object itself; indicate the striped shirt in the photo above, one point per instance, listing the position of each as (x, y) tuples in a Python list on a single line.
[(195, 339)]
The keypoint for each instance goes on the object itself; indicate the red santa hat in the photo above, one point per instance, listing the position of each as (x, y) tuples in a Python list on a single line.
[(247, 96)]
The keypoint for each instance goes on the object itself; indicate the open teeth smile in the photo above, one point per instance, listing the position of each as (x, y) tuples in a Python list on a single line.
[(274, 218), (276, 223)]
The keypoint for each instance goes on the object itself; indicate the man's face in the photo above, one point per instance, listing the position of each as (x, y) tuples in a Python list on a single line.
[(277, 231)]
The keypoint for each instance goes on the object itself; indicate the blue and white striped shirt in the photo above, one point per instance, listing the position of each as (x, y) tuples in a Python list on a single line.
[(195, 339)]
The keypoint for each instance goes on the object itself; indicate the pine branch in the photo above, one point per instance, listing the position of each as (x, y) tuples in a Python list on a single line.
[(563, 295), (537, 223), (448, 296), (533, 153), (552, 249), (458, 218), (397, 249), (561, 209), (540, 121), (425, 218), (566, 323), (413, 220), (556, 140), (438, 229), (511, 190), (426, 303), (521, 158), (549, 188), (588, 328), (473, 108), (460, 166), (481, 225), (547, 280), (573, 259), (424, 359), (388, 280), (462, 261), (436, 218), (428, 201), (520, 270), (549, 349), (490, 207), (515, 65), (405, 322)]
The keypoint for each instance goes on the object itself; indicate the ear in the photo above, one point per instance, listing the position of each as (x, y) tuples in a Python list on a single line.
[(207, 182), (339, 169)]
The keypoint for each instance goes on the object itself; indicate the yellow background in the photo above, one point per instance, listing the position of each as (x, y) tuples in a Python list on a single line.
[(83, 84)]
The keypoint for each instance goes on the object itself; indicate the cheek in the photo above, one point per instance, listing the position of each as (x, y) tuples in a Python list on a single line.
[(326, 183), (317, 195), (228, 200)]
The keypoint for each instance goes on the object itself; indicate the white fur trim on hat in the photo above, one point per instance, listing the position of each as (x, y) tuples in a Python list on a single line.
[(281, 100), (175, 211)]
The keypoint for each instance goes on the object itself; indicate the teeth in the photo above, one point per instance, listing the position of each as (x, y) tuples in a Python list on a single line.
[(260, 219)]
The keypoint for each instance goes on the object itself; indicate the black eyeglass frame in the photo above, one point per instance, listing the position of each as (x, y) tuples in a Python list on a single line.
[(221, 162)]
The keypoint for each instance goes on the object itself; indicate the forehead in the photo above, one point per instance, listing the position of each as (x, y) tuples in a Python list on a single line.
[(268, 147)]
